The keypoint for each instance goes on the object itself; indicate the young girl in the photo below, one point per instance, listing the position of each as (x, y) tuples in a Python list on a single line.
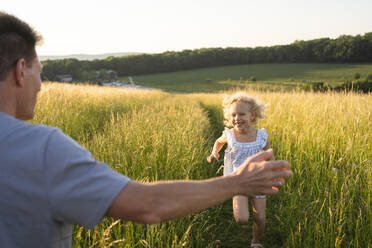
[(241, 112)]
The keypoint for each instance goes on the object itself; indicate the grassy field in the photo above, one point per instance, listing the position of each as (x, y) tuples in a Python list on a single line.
[(270, 76), (153, 135)]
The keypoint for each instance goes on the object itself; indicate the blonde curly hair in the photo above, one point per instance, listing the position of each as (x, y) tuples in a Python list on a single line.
[(254, 105)]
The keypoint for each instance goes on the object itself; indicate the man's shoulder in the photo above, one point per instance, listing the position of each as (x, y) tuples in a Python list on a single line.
[(41, 129), (12, 128)]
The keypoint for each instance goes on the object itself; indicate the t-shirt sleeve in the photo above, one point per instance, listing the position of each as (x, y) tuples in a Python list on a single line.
[(80, 189)]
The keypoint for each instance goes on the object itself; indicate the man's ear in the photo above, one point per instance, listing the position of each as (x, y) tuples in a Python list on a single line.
[(19, 72)]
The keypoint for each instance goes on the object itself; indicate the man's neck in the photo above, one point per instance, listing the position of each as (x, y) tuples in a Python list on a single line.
[(7, 100)]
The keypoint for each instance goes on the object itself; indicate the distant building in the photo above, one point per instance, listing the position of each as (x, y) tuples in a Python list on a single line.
[(115, 83), (112, 75), (124, 85), (105, 84), (104, 76), (64, 78)]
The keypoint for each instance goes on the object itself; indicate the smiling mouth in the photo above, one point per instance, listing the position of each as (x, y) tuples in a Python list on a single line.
[(239, 123)]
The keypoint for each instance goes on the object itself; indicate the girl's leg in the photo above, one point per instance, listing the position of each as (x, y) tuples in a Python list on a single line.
[(259, 214), (240, 206)]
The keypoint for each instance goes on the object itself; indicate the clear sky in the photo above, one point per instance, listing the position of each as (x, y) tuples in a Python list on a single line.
[(154, 26)]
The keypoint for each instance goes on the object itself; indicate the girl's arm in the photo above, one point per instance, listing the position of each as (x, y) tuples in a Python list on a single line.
[(220, 142)]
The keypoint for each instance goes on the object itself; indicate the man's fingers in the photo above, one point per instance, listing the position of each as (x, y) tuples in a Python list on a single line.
[(278, 183), (269, 191), (278, 165), (279, 168), (283, 174), (280, 180), (261, 156)]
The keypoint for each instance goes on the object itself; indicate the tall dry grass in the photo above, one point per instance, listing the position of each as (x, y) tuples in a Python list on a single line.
[(152, 135)]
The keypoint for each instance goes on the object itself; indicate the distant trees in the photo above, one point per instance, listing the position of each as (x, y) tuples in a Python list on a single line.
[(358, 85), (350, 49)]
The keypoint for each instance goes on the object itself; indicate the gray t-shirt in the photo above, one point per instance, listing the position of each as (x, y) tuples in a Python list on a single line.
[(48, 183)]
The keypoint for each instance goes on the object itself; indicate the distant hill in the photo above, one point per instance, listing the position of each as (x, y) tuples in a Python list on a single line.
[(274, 77), (85, 56)]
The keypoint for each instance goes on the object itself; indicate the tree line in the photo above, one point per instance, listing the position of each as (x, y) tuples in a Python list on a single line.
[(344, 49)]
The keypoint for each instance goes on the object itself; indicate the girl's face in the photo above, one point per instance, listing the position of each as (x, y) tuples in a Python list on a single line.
[(240, 116)]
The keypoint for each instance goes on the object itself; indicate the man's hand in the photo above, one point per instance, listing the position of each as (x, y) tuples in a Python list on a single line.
[(256, 176)]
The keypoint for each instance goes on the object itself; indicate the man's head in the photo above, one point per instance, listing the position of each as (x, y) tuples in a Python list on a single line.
[(19, 67), (17, 40)]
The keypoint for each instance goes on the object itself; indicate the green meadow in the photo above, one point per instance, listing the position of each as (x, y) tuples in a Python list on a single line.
[(272, 77), (154, 135)]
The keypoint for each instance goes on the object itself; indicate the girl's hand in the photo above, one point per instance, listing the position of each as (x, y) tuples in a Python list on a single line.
[(213, 155)]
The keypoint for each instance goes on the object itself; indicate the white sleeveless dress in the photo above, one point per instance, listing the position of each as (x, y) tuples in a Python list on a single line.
[(237, 152)]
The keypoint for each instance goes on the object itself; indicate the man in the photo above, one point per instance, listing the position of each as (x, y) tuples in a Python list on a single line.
[(48, 182)]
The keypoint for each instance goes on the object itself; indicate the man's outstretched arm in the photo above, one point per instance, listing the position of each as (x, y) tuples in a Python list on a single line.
[(165, 200)]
